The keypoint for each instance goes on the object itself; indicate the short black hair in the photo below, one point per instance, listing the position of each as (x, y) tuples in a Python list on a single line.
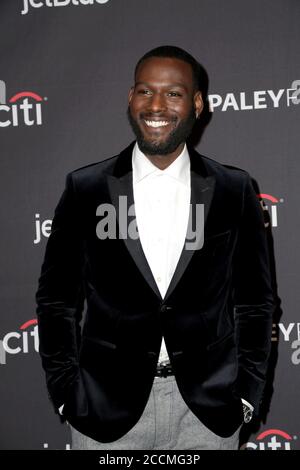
[(177, 53)]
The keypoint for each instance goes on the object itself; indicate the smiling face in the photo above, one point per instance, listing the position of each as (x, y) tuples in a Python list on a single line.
[(162, 105)]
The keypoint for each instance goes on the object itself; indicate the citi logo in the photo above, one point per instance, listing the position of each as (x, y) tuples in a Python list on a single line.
[(24, 108), (270, 204), (57, 3), (46, 446), (22, 341), (272, 439)]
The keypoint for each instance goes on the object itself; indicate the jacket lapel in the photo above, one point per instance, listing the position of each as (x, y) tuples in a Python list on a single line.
[(202, 190), (120, 185)]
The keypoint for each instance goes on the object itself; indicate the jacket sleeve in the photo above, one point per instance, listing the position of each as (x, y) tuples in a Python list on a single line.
[(253, 300), (60, 298)]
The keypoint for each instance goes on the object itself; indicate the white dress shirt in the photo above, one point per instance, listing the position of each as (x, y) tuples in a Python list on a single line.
[(162, 199)]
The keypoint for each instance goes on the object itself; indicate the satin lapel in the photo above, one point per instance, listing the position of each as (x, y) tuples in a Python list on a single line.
[(123, 187), (202, 190)]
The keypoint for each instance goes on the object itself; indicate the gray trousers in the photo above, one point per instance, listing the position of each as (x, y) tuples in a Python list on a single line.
[(166, 424)]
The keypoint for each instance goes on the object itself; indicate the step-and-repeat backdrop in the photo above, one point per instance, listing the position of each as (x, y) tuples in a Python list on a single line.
[(65, 70)]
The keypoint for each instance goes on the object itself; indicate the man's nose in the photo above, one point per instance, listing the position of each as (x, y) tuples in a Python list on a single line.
[(157, 103)]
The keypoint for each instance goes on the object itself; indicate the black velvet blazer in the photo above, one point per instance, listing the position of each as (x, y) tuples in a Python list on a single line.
[(216, 317)]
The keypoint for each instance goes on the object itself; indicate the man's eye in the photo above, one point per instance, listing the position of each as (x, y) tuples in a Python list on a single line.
[(144, 92), (174, 93)]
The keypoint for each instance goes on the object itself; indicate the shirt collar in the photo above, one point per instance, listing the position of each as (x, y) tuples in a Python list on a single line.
[(142, 167)]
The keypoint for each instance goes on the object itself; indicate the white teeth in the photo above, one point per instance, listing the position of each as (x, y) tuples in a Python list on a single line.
[(156, 123)]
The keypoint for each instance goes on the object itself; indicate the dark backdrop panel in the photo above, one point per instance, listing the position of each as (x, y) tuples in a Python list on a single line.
[(79, 62)]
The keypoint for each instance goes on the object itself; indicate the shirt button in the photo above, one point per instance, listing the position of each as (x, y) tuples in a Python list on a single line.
[(158, 279)]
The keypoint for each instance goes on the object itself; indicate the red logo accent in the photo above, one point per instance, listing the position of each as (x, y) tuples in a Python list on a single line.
[(278, 432), (22, 94), (268, 197), (28, 323)]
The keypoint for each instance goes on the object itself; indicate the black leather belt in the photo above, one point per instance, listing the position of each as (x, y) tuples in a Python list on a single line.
[(164, 370)]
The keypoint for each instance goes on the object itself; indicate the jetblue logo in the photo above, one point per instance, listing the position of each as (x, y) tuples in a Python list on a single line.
[(27, 4)]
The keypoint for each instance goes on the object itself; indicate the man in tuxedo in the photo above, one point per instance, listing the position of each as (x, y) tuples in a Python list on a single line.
[(168, 249)]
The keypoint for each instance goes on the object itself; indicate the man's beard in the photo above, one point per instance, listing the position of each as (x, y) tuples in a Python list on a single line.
[(175, 138)]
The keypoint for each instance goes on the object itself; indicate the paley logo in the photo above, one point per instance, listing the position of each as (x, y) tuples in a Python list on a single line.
[(291, 335), (57, 3), (259, 99), (24, 107), (272, 439), (270, 204), (15, 342)]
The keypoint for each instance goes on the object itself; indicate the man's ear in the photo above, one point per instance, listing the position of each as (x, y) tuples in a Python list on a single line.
[(198, 103), (130, 94)]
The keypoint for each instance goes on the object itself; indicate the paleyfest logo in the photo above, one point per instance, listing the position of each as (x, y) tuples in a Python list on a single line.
[(22, 341), (58, 3), (272, 439), (258, 99), (25, 107)]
